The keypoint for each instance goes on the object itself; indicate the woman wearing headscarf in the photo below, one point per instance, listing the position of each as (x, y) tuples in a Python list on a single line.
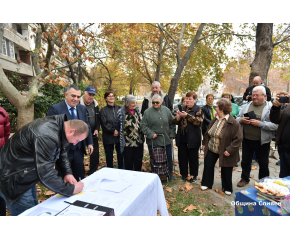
[(221, 141), (127, 124), (208, 111), (159, 120)]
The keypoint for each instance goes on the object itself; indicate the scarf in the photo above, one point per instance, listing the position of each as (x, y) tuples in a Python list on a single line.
[(131, 110), (213, 112)]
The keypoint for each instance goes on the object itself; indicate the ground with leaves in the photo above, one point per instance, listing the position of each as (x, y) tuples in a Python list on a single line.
[(182, 198)]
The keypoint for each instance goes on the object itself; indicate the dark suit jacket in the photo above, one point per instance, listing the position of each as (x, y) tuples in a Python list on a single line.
[(61, 108)]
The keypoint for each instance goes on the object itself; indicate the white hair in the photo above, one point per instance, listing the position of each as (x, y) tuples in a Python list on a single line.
[(129, 99), (260, 88), (156, 82), (157, 96)]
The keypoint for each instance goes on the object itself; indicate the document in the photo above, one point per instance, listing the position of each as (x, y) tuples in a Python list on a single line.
[(43, 212), (79, 211), (114, 186)]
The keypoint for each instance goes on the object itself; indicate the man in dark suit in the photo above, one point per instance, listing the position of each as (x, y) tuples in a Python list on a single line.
[(72, 110)]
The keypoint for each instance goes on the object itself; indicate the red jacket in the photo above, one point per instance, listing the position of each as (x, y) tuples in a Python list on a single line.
[(4, 127)]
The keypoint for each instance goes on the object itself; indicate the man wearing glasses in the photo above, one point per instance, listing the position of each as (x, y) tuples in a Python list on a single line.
[(72, 110), (258, 132), (156, 89)]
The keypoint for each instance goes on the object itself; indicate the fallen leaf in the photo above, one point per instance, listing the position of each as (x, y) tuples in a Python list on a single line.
[(189, 177), (173, 199), (191, 207), (269, 161), (145, 161), (86, 157), (201, 156), (234, 168), (175, 164), (220, 170), (251, 176), (167, 205), (49, 193), (158, 213), (199, 180), (216, 164), (253, 168), (178, 174), (168, 189), (185, 210), (214, 204), (115, 160), (218, 176), (239, 170), (143, 169)]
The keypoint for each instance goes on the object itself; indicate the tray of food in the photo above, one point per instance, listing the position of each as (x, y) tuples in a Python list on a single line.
[(274, 188)]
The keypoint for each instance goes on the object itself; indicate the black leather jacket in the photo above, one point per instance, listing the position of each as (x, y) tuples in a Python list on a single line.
[(29, 156), (207, 117), (108, 115)]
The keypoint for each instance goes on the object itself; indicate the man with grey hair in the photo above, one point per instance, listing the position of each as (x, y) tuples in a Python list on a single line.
[(257, 81), (156, 89), (70, 107), (258, 132), (93, 112)]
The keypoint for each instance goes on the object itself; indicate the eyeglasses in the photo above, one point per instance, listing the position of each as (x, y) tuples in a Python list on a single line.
[(155, 102), (111, 96), (257, 95)]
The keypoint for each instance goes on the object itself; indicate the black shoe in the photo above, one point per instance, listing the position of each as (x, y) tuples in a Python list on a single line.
[(184, 179), (192, 180), (278, 163)]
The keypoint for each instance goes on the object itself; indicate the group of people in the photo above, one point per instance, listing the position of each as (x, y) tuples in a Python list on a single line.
[(59, 140)]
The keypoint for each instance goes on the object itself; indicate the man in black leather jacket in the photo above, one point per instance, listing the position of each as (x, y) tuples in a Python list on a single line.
[(29, 156)]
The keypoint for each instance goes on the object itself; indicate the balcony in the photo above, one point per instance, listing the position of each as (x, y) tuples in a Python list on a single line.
[(12, 65), (17, 38)]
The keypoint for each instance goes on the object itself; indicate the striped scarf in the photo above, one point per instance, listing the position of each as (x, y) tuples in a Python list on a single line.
[(213, 112)]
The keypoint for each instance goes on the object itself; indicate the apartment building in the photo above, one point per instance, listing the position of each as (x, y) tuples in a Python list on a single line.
[(14, 51)]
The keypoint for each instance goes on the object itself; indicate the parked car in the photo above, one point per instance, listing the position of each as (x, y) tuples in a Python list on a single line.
[(176, 101), (240, 101), (201, 102)]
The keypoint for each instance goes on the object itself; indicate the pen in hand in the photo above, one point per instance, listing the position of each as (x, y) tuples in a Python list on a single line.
[(80, 178)]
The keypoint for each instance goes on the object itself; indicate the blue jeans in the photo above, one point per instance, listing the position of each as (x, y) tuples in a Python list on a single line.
[(168, 154), (26, 201), (284, 162)]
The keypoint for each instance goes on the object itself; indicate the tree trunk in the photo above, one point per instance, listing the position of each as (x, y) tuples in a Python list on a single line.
[(25, 115), (181, 65), (264, 52), (159, 61)]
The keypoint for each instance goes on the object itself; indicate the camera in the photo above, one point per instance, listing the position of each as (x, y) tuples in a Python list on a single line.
[(284, 99)]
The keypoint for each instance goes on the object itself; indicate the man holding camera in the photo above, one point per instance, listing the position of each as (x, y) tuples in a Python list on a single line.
[(258, 132), (282, 117), (257, 81)]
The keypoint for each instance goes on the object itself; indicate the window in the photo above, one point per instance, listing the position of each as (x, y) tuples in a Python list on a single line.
[(4, 49), (8, 48)]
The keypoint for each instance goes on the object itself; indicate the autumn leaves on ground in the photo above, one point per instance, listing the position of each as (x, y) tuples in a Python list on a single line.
[(182, 198)]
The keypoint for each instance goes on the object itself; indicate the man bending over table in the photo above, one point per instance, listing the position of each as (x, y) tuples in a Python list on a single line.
[(30, 155)]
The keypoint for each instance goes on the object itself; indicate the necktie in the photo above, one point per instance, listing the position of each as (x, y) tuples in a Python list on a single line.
[(73, 113)]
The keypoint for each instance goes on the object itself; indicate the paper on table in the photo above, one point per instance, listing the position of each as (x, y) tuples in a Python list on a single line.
[(114, 186), (85, 197), (92, 186), (79, 211), (104, 175), (41, 211)]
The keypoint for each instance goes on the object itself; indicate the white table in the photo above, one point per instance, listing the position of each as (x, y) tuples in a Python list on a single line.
[(143, 198)]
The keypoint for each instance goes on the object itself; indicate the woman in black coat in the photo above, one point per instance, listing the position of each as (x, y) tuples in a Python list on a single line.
[(208, 111)]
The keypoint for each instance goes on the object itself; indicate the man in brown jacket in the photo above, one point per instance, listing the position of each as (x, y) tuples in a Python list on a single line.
[(282, 117)]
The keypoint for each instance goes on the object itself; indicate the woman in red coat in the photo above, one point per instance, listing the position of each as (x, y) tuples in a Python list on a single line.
[(4, 135)]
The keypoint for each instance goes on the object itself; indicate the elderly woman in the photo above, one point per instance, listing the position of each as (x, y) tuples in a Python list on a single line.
[(188, 139), (110, 135), (221, 141), (208, 111), (127, 124), (158, 120), (236, 109)]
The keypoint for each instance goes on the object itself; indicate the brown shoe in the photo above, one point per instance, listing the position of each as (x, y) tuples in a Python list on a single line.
[(242, 183)]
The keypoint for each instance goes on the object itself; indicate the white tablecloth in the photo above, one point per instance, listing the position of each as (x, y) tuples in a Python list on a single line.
[(143, 198)]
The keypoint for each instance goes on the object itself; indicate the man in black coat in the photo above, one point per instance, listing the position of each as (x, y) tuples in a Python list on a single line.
[(30, 155), (257, 81), (156, 89), (93, 112), (72, 110)]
